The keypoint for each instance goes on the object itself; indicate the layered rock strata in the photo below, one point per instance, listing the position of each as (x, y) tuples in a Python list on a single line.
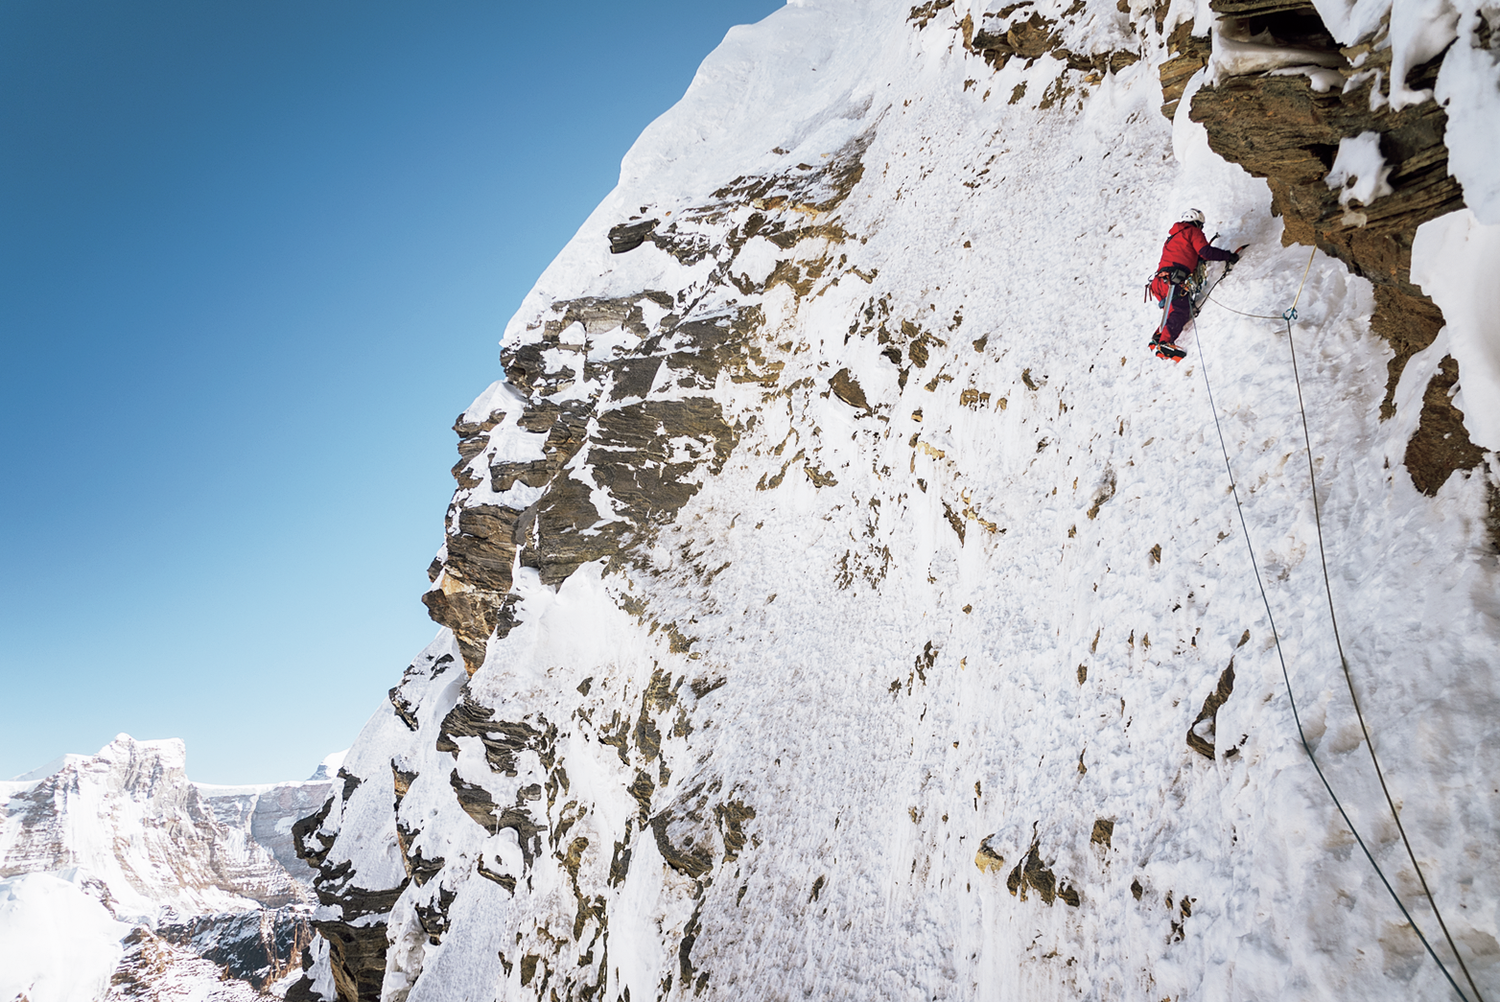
[(1285, 120)]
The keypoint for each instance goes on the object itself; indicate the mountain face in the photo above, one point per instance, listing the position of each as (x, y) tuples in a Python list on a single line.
[(841, 601), (123, 841), (265, 815)]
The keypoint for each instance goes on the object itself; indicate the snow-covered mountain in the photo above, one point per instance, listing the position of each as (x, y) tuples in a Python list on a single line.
[(115, 865), (840, 601)]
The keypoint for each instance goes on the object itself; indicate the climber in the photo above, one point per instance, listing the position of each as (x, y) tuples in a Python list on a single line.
[(1185, 247)]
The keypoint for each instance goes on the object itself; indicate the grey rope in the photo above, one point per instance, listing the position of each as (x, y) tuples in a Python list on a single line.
[(1289, 316), (1253, 316), (1286, 674)]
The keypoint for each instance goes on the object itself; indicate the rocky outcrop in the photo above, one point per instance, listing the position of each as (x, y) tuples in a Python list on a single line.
[(350, 920), (1288, 129), (258, 947), (1017, 32), (620, 381), (554, 524), (1202, 736), (154, 969), (1187, 53)]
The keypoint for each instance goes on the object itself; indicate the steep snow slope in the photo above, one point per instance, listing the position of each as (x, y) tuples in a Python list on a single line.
[(845, 604)]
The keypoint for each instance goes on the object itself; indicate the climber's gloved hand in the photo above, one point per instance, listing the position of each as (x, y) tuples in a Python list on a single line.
[(1234, 257)]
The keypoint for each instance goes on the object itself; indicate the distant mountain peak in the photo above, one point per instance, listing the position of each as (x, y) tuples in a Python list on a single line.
[(209, 869)]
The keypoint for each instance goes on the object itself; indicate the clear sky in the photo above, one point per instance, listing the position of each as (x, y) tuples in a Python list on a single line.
[(257, 255)]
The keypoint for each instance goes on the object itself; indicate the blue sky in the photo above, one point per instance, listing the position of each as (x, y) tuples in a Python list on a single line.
[(256, 257)]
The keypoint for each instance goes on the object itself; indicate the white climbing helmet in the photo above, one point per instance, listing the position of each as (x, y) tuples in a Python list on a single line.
[(1193, 216)]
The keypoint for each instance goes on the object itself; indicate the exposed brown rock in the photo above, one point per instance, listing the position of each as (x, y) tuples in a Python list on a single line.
[(847, 388), (1440, 445), (923, 13), (987, 859), (1104, 832), (1279, 128), (356, 956), (473, 615), (419, 868), (1031, 873), (1032, 38), (1201, 738), (1188, 54), (678, 846), (1409, 323), (629, 236), (503, 739)]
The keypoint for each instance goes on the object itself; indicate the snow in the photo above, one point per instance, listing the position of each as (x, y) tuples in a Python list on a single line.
[(897, 694), (57, 943), (1235, 57), (1322, 78), (1418, 30), (331, 765), (50, 769), (1359, 173), (1468, 87), (494, 398), (1456, 261)]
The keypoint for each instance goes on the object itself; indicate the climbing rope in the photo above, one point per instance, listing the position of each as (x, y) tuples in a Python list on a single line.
[(1291, 315), (1253, 316), (1288, 317), (1295, 299)]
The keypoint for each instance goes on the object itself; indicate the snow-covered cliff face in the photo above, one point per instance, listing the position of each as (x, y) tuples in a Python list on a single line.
[(122, 844), (840, 601)]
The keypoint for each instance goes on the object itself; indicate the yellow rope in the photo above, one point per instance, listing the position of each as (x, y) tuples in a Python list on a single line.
[(1290, 314), (1304, 280)]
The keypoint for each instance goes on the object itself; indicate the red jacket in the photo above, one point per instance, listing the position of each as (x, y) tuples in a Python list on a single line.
[(1185, 247)]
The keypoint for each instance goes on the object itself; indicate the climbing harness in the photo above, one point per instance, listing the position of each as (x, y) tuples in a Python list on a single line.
[(1173, 274), (1288, 317)]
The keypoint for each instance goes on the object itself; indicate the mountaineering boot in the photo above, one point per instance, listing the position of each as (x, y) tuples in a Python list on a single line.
[(1167, 350)]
